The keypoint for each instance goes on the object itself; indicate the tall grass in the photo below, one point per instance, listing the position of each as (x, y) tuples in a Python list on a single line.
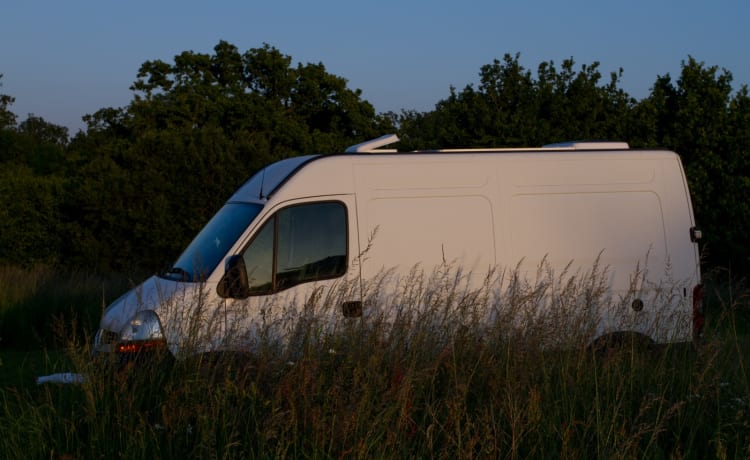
[(34, 302), (426, 373)]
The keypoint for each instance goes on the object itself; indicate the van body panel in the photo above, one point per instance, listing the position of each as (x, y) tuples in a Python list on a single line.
[(154, 293), (441, 230), (426, 210)]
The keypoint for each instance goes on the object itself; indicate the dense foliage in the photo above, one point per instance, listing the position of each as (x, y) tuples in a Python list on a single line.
[(135, 186)]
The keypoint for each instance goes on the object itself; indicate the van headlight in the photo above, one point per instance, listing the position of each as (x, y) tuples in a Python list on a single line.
[(142, 333)]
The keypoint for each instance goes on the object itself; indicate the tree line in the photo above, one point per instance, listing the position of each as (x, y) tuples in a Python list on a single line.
[(132, 189)]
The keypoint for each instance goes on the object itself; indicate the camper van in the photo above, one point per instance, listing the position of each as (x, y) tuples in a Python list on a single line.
[(310, 223)]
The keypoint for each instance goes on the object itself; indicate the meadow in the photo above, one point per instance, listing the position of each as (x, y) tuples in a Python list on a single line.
[(434, 382)]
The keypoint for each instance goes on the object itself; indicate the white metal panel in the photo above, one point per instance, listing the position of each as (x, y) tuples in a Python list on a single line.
[(430, 231), (623, 227)]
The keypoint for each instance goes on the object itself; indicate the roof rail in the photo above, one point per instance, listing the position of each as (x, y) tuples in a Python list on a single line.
[(588, 145), (371, 145)]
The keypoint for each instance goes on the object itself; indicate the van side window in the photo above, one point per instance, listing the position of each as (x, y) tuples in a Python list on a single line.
[(259, 260), (310, 244)]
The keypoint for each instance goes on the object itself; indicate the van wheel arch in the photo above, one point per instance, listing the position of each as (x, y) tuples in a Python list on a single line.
[(621, 340), (220, 366)]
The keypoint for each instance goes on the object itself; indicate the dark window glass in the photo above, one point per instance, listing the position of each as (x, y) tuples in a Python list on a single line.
[(259, 260), (310, 242)]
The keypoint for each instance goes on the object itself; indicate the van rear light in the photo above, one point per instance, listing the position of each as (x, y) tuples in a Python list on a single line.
[(698, 319), (695, 234)]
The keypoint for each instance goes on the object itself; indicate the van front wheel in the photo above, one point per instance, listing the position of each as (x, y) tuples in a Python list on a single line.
[(224, 366)]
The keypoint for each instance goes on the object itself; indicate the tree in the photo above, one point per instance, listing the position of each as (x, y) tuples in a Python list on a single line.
[(708, 124), (31, 188), (148, 176), (142, 179), (511, 107), (30, 220), (7, 118)]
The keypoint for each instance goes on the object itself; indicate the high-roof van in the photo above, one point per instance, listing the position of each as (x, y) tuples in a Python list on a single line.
[(312, 222)]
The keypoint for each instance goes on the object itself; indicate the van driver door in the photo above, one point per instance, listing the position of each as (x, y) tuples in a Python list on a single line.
[(300, 274)]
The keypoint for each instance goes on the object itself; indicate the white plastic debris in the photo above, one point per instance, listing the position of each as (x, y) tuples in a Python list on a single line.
[(62, 377)]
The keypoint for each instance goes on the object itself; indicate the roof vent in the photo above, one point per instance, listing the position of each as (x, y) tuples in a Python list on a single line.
[(371, 145), (589, 145)]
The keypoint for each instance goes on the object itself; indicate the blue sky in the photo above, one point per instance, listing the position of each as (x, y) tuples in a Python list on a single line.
[(64, 59)]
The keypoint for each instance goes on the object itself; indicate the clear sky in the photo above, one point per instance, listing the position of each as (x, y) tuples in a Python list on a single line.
[(64, 59)]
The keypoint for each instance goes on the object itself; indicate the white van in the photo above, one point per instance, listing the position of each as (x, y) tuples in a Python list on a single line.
[(303, 223)]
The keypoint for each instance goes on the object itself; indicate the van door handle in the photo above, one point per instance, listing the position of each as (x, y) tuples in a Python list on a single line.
[(352, 309)]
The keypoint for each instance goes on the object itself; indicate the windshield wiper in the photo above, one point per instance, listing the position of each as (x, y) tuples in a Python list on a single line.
[(184, 275)]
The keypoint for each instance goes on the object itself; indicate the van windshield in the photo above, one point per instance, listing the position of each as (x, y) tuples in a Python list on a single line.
[(205, 252)]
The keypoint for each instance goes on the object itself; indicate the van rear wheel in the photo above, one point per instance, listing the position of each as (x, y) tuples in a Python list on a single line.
[(620, 342)]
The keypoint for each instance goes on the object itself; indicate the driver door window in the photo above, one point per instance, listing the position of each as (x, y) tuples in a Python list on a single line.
[(259, 260), (298, 244)]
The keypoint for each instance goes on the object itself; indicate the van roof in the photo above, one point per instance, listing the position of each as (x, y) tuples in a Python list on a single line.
[(266, 181)]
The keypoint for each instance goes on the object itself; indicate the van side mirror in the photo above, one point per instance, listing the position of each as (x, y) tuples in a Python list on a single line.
[(234, 282)]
